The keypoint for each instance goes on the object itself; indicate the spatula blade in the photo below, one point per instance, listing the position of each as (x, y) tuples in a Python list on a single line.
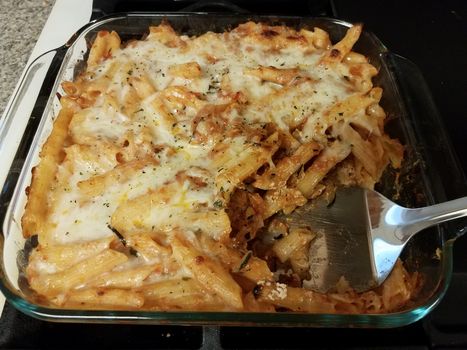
[(342, 247)]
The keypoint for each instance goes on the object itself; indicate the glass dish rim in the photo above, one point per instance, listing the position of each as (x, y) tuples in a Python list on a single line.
[(386, 320)]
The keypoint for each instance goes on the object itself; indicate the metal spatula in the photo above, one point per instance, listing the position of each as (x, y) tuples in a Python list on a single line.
[(361, 235)]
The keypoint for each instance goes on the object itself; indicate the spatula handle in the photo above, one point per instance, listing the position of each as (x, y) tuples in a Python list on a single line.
[(421, 218)]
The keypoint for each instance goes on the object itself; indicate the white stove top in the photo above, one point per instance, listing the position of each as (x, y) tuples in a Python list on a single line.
[(66, 17)]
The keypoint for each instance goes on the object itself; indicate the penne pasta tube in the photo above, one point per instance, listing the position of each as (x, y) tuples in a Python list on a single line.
[(61, 257), (210, 274), (274, 75), (103, 47), (294, 299), (148, 212), (52, 154), (78, 274), (276, 177), (180, 294), (125, 279), (146, 247), (363, 151), (246, 265), (318, 38), (103, 298), (249, 161), (343, 47), (189, 70), (165, 34), (96, 185), (327, 160), (143, 86), (285, 247), (285, 199)]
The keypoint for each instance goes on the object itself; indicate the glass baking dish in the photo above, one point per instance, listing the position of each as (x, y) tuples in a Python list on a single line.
[(412, 118)]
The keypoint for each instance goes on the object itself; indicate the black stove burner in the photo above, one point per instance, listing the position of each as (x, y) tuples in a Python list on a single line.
[(438, 25), (289, 7)]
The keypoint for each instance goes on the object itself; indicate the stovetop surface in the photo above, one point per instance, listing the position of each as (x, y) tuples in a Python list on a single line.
[(434, 39)]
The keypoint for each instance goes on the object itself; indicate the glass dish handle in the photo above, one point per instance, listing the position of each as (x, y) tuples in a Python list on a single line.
[(20, 108), (224, 5), (436, 147)]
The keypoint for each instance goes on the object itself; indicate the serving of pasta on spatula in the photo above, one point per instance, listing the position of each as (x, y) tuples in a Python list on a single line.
[(165, 179)]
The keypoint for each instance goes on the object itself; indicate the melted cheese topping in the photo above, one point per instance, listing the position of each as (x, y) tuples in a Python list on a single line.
[(304, 102)]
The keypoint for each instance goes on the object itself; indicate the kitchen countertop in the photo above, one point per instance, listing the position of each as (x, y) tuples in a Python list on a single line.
[(21, 24)]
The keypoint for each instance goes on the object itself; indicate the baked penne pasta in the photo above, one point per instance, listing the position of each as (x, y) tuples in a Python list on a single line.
[(159, 185)]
